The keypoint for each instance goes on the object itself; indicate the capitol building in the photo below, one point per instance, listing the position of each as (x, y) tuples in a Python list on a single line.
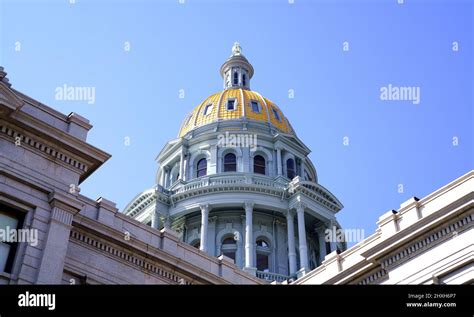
[(238, 182), (237, 200)]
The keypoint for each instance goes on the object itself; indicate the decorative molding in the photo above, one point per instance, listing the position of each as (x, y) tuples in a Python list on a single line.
[(432, 239), (415, 248), (300, 207), (205, 208), (129, 257), (36, 145), (373, 278), (140, 204), (248, 205), (62, 216)]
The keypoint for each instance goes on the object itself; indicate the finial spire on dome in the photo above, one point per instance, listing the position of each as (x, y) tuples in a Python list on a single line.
[(236, 49), (237, 70)]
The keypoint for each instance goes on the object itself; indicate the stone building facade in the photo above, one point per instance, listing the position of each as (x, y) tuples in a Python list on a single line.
[(44, 156), (237, 201), (425, 241)]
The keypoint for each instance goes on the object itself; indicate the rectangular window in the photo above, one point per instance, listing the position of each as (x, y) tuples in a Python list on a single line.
[(275, 113), (255, 106), (236, 78), (262, 263), (9, 220), (231, 104), (208, 109)]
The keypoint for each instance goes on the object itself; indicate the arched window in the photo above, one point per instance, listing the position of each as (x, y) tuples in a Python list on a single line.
[(263, 255), (230, 162), (229, 240), (236, 78), (290, 168), (229, 247), (201, 167), (243, 80), (259, 164), (263, 244)]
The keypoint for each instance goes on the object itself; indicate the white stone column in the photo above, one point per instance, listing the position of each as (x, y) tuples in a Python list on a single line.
[(167, 176), (321, 232), (291, 241), (155, 219), (163, 176), (302, 162), (249, 243), (279, 161), (333, 227), (185, 168), (181, 164), (211, 236), (204, 225), (302, 237), (242, 238)]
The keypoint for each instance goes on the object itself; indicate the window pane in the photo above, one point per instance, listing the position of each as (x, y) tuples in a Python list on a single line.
[(231, 105), (230, 167), (4, 251), (236, 78), (202, 167), (262, 243), (230, 163), (276, 114), (229, 240), (7, 221), (255, 107), (262, 262), (259, 165), (290, 168), (230, 158), (229, 254)]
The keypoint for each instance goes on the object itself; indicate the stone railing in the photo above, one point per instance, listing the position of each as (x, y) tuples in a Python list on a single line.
[(230, 179), (271, 277)]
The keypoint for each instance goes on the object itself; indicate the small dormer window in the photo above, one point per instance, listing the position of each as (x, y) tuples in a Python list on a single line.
[(244, 81), (231, 104), (276, 114), (236, 78), (208, 109), (255, 106)]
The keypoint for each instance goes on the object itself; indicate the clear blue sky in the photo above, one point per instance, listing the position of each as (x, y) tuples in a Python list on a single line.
[(298, 46)]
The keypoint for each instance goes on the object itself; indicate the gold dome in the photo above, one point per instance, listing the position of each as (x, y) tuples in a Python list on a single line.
[(214, 108)]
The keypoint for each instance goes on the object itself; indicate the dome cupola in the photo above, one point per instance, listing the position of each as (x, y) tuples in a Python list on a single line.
[(237, 71)]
